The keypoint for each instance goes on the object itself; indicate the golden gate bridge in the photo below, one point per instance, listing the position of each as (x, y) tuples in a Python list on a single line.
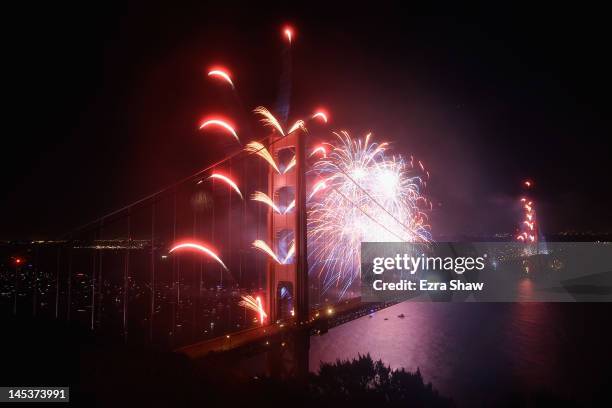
[(173, 270), (241, 253)]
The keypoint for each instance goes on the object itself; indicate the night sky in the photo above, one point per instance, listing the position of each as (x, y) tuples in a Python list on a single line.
[(105, 102)]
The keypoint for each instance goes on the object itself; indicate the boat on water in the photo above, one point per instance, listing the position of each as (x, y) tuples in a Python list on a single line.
[(401, 316)]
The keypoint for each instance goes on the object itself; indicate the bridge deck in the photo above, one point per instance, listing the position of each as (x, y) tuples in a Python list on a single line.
[(320, 321)]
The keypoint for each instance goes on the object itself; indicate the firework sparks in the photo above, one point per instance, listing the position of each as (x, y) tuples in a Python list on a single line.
[(289, 207), (288, 32), (222, 124), (370, 198), (222, 74), (319, 186), (362, 194), (201, 248), (260, 150), (290, 252), (528, 226), (321, 115), (268, 119), (297, 125), (254, 304), (263, 198), (262, 246), (291, 164), (228, 181), (319, 149)]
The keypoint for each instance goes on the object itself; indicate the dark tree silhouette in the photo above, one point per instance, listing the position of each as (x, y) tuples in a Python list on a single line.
[(364, 380)]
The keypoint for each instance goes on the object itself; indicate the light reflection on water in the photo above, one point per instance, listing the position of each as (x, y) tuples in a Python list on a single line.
[(475, 352)]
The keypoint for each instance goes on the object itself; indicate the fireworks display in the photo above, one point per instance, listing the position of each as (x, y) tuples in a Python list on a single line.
[(228, 181), (254, 304), (288, 31), (269, 120), (358, 192), (365, 195), (528, 231), (221, 124), (320, 150), (199, 247), (265, 248), (260, 150), (321, 115), (263, 198), (222, 74)]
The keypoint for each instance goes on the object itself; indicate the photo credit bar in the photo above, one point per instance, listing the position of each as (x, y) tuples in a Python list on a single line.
[(486, 272)]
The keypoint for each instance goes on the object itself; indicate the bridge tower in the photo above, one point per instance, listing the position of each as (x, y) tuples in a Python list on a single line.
[(287, 293)]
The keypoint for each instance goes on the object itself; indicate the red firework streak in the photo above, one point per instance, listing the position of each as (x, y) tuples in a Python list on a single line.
[(528, 228)]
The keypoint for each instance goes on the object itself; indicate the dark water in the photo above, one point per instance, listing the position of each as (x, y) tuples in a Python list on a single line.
[(483, 352)]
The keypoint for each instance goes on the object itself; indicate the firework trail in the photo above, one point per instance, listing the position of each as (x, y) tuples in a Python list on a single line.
[(528, 230), (254, 304), (268, 119), (289, 207), (262, 246), (319, 149), (265, 248), (288, 31), (321, 115), (284, 93), (222, 74), (317, 187), (291, 164), (199, 247), (228, 181), (260, 150), (222, 124), (297, 125), (369, 197), (263, 198)]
